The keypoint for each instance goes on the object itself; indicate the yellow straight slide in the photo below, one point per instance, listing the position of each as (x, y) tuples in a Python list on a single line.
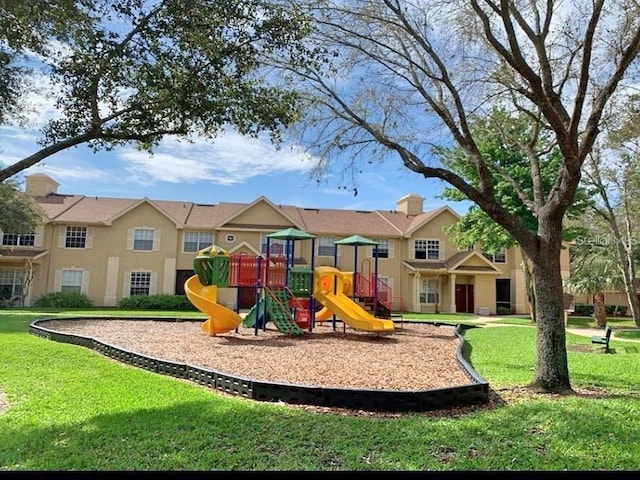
[(351, 313), (221, 319)]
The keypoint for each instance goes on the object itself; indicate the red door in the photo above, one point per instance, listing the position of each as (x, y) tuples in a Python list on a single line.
[(464, 298)]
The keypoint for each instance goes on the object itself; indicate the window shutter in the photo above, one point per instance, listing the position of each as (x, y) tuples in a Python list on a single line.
[(156, 240), (85, 282), (126, 284), (57, 280), (89, 240), (130, 239), (37, 239), (391, 244), (153, 283), (62, 235), (412, 250)]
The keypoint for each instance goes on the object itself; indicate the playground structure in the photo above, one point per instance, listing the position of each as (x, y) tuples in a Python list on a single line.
[(286, 295)]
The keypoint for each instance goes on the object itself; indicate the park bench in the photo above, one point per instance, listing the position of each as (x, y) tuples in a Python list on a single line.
[(603, 340)]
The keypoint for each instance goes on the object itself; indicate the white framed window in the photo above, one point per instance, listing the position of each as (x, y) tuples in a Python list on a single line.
[(426, 249), (229, 238), (325, 246), (498, 257), (428, 291), (18, 239), (75, 236), (196, 241), (71, 280), (143, 239), (140, 283), (10, 283), (385, 248)]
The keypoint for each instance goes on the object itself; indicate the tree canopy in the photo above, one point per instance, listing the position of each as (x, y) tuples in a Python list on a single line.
[(19, 213), (135, 71), (499, 138)]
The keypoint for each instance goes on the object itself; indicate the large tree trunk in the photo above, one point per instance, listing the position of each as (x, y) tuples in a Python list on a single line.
[(551, 369), (599, 310)]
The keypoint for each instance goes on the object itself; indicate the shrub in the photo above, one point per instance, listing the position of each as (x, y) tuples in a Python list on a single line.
[(583, 310), (503, 311), (63, 300), (160, 301), (615, 309)]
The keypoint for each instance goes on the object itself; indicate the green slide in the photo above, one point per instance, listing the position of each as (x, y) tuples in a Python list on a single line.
[(250, 319)]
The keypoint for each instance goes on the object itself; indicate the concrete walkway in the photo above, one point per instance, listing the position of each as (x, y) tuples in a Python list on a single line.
[(584, 332)]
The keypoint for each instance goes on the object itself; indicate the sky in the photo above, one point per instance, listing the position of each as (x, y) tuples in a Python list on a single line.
[(233, 168)]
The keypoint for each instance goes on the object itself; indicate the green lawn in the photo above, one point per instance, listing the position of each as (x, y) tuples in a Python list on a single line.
[(635, 334), (438, 317), (73, 409), (589, 322), (572, 322)]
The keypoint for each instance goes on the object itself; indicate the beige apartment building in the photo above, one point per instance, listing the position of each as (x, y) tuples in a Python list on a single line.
[(110, 248)]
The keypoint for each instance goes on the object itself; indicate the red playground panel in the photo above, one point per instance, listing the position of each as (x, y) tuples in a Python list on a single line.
[(302, 318), (247, 270)]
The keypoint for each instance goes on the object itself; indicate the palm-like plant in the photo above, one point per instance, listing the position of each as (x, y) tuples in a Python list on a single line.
[(594, 271)]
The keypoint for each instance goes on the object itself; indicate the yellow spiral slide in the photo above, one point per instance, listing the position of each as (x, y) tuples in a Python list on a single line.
[(203, 297)]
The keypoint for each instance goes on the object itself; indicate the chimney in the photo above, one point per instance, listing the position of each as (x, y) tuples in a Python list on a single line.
[(40, 185), (410, 204)]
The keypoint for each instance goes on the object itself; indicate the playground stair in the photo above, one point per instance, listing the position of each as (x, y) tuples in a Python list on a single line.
[(381, 308), (280, 312)]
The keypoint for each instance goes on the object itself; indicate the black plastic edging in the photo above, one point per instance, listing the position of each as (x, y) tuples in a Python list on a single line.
[(370, 400)]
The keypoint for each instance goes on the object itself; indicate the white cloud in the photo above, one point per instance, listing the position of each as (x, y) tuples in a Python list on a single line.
[(231, 159), (70, 173), (40, 106)]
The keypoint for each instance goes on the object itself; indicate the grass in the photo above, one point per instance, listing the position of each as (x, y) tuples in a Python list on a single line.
[(514, 320), (573, 321), (589, 322), (73, 409), (635, 334), (451, 317)]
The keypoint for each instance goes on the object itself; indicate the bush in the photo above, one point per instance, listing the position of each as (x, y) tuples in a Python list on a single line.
[(583, 310), (63, 300), (160, 301), (615, 309), (503, 311)]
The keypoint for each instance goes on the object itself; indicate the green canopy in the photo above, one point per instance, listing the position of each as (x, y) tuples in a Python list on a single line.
[(291, 234), (356, 240)]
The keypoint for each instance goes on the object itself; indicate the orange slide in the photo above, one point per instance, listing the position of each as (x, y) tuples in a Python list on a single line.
[(203, 297), (323, 314)]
